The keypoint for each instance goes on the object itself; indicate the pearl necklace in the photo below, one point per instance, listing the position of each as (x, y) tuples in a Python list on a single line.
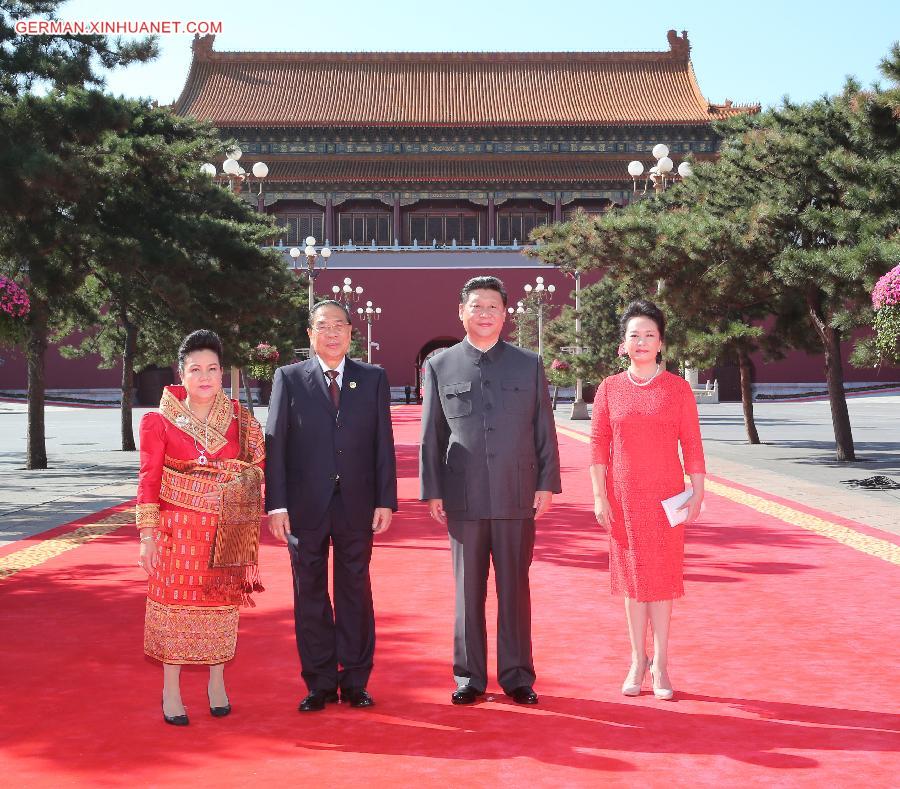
[(647, 382)]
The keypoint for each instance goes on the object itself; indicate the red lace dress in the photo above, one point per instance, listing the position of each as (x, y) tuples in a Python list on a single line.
[(192, 607), (635, 433)]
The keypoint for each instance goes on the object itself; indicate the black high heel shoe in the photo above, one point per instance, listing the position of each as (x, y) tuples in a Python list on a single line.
[(219, 712), (175, 720)]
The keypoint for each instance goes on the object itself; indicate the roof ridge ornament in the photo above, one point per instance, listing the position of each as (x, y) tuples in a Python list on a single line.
[(202, 46), (679, 45)]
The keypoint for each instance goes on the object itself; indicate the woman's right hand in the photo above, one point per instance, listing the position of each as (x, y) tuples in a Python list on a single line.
[(603, 512), (148, 555)]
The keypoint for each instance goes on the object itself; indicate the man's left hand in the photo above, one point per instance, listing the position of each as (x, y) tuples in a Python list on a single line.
[(542, 501), (382, 520)]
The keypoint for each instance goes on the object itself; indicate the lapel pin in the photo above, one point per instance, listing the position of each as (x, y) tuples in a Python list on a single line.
[(352, 384)]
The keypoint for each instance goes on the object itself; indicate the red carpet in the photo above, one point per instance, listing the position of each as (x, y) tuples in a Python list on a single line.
[(783, 653)]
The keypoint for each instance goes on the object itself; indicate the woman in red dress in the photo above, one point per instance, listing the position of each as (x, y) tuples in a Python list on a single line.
[(198, 512), (640, 417)]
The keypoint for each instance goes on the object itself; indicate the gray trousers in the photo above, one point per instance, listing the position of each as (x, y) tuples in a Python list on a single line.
[(511, 545)]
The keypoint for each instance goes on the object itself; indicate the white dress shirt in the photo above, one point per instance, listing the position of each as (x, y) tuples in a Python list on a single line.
[(339, 368)]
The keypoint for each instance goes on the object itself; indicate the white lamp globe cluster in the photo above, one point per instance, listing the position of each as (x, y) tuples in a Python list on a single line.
[(664, 164), (232, 168)]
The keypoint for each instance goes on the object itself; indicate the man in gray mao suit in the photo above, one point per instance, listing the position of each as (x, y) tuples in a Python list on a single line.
[(489, 466)]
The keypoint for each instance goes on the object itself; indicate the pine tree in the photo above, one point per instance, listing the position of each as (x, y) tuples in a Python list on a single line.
[(174, 252), (47, 169)]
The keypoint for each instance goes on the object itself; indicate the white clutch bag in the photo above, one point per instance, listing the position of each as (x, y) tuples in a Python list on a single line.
[(672, 504)]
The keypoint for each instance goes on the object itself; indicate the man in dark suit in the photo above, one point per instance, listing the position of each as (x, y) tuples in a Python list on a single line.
[(331, 479), (489, 466)]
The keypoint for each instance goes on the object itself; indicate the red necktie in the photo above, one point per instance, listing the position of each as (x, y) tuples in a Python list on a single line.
[(333, 389)]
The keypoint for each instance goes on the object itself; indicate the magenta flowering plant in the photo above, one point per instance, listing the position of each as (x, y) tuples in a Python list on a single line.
[(886, 292), (264, 353), (14, 308), (263, 360), (886, 301), (560, 373)]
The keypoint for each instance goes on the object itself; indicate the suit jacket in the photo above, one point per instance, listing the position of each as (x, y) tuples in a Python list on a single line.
[(309, 444), (488, 435)]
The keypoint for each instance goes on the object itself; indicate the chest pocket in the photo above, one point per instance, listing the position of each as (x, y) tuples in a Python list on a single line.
[(457, 399), (517, 397)]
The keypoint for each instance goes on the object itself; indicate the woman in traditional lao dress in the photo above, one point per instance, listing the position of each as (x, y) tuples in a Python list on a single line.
[(640, 418), (198, 512)]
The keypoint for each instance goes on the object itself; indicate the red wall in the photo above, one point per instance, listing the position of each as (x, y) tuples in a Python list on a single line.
[(420, 305), (799, 367), (61, 373)]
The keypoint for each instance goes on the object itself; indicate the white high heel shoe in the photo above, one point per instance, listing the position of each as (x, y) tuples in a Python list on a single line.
[(663, 694), (629, 689)]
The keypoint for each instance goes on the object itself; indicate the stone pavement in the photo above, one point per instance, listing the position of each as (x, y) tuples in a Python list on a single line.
[(89, 473), (87, 470), (796, 459)]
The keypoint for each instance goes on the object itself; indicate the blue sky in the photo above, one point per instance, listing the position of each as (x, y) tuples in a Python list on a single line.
[(748, 51)]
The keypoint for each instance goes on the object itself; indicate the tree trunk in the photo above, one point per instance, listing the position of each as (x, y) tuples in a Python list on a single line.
[(248, 393), (555, 396), (36, 347), (834, 376), (747, 395), (129, 352)]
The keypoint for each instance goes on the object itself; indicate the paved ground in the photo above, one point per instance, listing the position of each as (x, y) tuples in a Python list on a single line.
[(796, 460)]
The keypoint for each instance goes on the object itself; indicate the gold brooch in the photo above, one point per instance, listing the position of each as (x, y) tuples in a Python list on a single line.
[(353, 384)]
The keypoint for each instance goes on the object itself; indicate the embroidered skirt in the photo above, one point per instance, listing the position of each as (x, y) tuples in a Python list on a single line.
[(189, 618)]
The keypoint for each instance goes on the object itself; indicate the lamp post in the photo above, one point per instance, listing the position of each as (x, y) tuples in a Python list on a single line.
[(579, 407), (311, 270), (370, 314), (520, 309), (540, 294), (659, 174), (347, 293), (236, 176)]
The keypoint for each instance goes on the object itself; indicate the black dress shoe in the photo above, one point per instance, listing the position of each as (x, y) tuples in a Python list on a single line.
[(175, 720), (317, 699), (524, 694), (358, 697), (466, 695)]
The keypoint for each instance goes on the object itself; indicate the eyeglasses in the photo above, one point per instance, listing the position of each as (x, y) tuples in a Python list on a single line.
[(330, 328)]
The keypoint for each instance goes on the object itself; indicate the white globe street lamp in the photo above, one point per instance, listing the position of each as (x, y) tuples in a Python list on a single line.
[(312, 272), (369, 314), (540, 294), (346, 292), (661, 172)]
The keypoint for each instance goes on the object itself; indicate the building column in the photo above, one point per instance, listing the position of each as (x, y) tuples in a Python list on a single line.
[(557, 208), (491, 220), (398, 230), (329, 221)]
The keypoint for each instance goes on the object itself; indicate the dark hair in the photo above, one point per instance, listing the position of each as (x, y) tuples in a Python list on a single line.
[(328, 303), (482, 283), (200, 340), (644, 309)]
